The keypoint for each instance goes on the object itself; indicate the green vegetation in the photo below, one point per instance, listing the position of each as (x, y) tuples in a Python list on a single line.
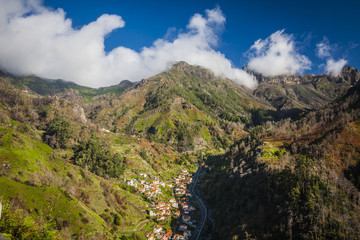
[(51, 87), (58, 133), (272, 152), (98, 158), (15, 225)]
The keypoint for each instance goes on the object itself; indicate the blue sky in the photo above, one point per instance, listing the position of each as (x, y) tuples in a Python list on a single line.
[(246, 21), (100, 43)]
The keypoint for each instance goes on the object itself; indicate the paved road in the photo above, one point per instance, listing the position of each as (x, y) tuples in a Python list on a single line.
[(204, 211)]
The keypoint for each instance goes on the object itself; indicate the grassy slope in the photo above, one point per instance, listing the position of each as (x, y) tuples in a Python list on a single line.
[(38, 180), (37, 183)]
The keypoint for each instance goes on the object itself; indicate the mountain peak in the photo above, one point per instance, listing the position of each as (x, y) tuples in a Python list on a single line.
[(126, 83), (182, 65), (350, 74), (193, 71)]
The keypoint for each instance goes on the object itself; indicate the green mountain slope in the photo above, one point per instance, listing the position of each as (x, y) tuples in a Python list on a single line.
[(186, 107), (73, 200), (52, 87)]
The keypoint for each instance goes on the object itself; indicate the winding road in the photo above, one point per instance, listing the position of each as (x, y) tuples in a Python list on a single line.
[(204, 211)]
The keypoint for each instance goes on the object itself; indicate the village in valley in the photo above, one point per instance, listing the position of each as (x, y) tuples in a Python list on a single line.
[(178, 208)]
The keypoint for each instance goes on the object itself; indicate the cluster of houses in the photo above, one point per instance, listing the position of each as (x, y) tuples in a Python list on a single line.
[(161, 211), (181, 182), (160, 233), (150, 189), (179, 206)]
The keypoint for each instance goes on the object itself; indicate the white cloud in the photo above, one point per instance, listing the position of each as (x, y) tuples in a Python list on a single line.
[(41, 41), (276, 55), (334, 67), (323, 48)]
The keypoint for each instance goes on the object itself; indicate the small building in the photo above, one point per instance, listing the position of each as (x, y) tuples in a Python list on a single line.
[(178, 237), (186, 218), (180, 191), (177, 213), (159, 213), (158, 229), (168, 233), (162, 218), (130, 182), (183, 227), (187, 233), (191, 208)]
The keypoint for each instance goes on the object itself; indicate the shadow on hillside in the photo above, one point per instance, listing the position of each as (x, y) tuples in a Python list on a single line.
[(353, 174), (260, 116)]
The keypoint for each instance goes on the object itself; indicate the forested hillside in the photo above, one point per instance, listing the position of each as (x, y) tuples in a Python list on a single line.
[(291, 179)]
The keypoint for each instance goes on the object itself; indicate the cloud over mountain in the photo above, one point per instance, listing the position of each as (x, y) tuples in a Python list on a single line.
[(41, 41), (334, 67), (277, 55), (325, 50)]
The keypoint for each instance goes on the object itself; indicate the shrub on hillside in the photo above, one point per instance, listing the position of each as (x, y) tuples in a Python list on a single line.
[(15, 225), (58, 133), (98, 158)]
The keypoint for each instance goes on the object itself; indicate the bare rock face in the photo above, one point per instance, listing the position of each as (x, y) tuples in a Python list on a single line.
[(142, 83), (79, 111), (350, 75), (307, 91)]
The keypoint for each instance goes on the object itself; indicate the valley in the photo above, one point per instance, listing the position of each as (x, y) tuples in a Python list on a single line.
[(154, 159)]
